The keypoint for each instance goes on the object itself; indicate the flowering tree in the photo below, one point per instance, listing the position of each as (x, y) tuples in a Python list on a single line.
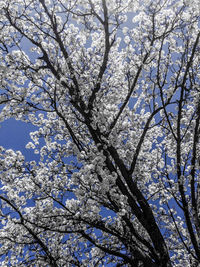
[(113, 89)]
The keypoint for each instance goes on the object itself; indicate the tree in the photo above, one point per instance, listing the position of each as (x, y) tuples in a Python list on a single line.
[(113, 89)]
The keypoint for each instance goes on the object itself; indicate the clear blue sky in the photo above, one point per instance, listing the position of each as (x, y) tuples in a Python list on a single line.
[(15, 135)]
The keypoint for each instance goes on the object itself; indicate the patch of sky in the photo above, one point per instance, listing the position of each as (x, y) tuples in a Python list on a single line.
[(15, 135)]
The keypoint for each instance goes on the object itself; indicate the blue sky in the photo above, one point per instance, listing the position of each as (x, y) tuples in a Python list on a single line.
[(15, 135)]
